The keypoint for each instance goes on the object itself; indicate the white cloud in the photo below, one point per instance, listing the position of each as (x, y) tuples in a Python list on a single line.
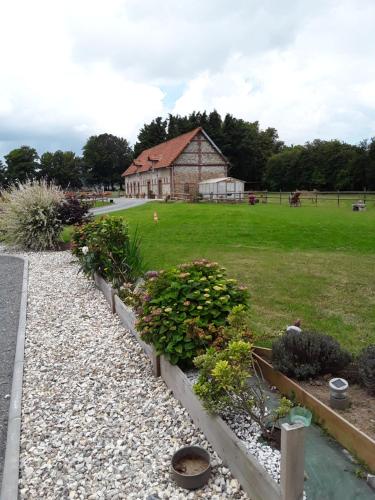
[(321, 85), (74, 68)]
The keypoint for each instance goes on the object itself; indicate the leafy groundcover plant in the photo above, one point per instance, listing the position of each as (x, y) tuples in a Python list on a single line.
[(29, 215), (105, 246), (181, 309)]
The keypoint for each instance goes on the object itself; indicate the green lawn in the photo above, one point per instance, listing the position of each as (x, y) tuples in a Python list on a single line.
[(313, 263), (100, 203)]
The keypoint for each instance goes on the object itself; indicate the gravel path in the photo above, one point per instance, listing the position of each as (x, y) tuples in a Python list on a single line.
[(96, 423), (11, 275)]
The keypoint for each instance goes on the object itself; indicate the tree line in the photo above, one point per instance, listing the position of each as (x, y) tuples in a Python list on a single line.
[(257, 156), (104, 159)]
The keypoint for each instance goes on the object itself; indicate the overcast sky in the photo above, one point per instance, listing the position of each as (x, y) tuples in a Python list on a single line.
[(73, 68)]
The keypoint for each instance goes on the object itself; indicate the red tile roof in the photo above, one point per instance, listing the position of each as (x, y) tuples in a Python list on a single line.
[(162, 155)]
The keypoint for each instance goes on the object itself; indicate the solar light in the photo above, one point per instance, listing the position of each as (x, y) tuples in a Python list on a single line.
[(338, 393)]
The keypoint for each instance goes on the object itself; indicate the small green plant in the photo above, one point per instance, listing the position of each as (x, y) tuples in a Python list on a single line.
[(105, 246), (181, 309), (228, 382), (29, 216), (308, 354), (238, 327), (366, 368)]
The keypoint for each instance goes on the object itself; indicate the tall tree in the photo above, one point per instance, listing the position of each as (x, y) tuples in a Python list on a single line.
[(22, 164), (214, 127), (3, 176), (322, 165), (105, 159), (63, 167), (150, 135), (280, 171)]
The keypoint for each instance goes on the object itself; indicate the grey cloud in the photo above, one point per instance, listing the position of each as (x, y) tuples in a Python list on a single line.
[(168, 40)]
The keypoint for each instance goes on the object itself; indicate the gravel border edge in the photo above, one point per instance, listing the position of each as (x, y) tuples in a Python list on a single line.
[(9, 487)]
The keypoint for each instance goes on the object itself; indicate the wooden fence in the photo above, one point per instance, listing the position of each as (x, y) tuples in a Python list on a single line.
[(314, 198)]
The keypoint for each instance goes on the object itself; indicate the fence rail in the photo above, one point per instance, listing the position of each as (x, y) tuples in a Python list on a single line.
[(283, 197), (315, 197)]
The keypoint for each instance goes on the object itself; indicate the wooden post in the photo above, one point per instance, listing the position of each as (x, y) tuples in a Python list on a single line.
[(338, 198), (280, 196), (292, 469)]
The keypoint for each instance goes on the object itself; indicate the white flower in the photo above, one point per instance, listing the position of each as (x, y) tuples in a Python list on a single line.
[(85, 250)]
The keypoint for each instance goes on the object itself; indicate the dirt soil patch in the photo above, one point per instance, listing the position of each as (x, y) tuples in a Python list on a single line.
[(190, 466), (361, 410)]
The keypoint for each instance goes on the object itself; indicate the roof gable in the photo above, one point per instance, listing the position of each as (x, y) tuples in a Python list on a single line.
[(164, 154)]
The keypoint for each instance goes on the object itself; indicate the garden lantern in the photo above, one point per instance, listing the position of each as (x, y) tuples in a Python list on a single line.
[(338, 393)]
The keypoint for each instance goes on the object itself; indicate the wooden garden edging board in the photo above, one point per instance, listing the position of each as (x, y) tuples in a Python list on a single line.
[(107, 290), (127, 318), (356, 441), (254, 479)]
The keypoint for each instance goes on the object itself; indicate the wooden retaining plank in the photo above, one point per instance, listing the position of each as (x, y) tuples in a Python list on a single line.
[(254, 479), (127, 318), (107, 290), (356, 441)]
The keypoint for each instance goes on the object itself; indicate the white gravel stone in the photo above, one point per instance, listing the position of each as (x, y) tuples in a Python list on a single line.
[(96, 423)]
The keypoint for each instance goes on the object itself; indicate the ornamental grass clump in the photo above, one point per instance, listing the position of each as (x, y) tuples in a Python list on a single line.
[(29, 215), (105, 246), (180, 310)]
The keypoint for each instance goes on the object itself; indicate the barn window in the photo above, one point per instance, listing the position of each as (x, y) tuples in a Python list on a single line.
[(186, 188)]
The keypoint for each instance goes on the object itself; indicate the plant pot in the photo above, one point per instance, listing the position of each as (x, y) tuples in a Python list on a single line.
[(190, 467)]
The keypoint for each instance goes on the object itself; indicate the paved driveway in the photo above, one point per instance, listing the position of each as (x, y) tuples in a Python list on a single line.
[(11, 274), (118, 204)]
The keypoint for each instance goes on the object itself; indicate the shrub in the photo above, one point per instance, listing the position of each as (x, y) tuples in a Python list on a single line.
[(181, 309), (73, 211), (105, 246), (223, 385), (30, 215), (308, 354), (366, 368)]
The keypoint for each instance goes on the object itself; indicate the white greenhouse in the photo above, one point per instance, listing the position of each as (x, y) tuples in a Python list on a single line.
[(222, 188)]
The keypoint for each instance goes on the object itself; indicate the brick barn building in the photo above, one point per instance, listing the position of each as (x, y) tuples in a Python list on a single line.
[(175, 167)]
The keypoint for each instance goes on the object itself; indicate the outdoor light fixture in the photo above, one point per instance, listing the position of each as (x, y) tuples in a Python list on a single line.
[(338, 397)]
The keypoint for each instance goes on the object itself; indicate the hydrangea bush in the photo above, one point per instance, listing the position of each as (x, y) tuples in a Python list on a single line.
[(180, 310)]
